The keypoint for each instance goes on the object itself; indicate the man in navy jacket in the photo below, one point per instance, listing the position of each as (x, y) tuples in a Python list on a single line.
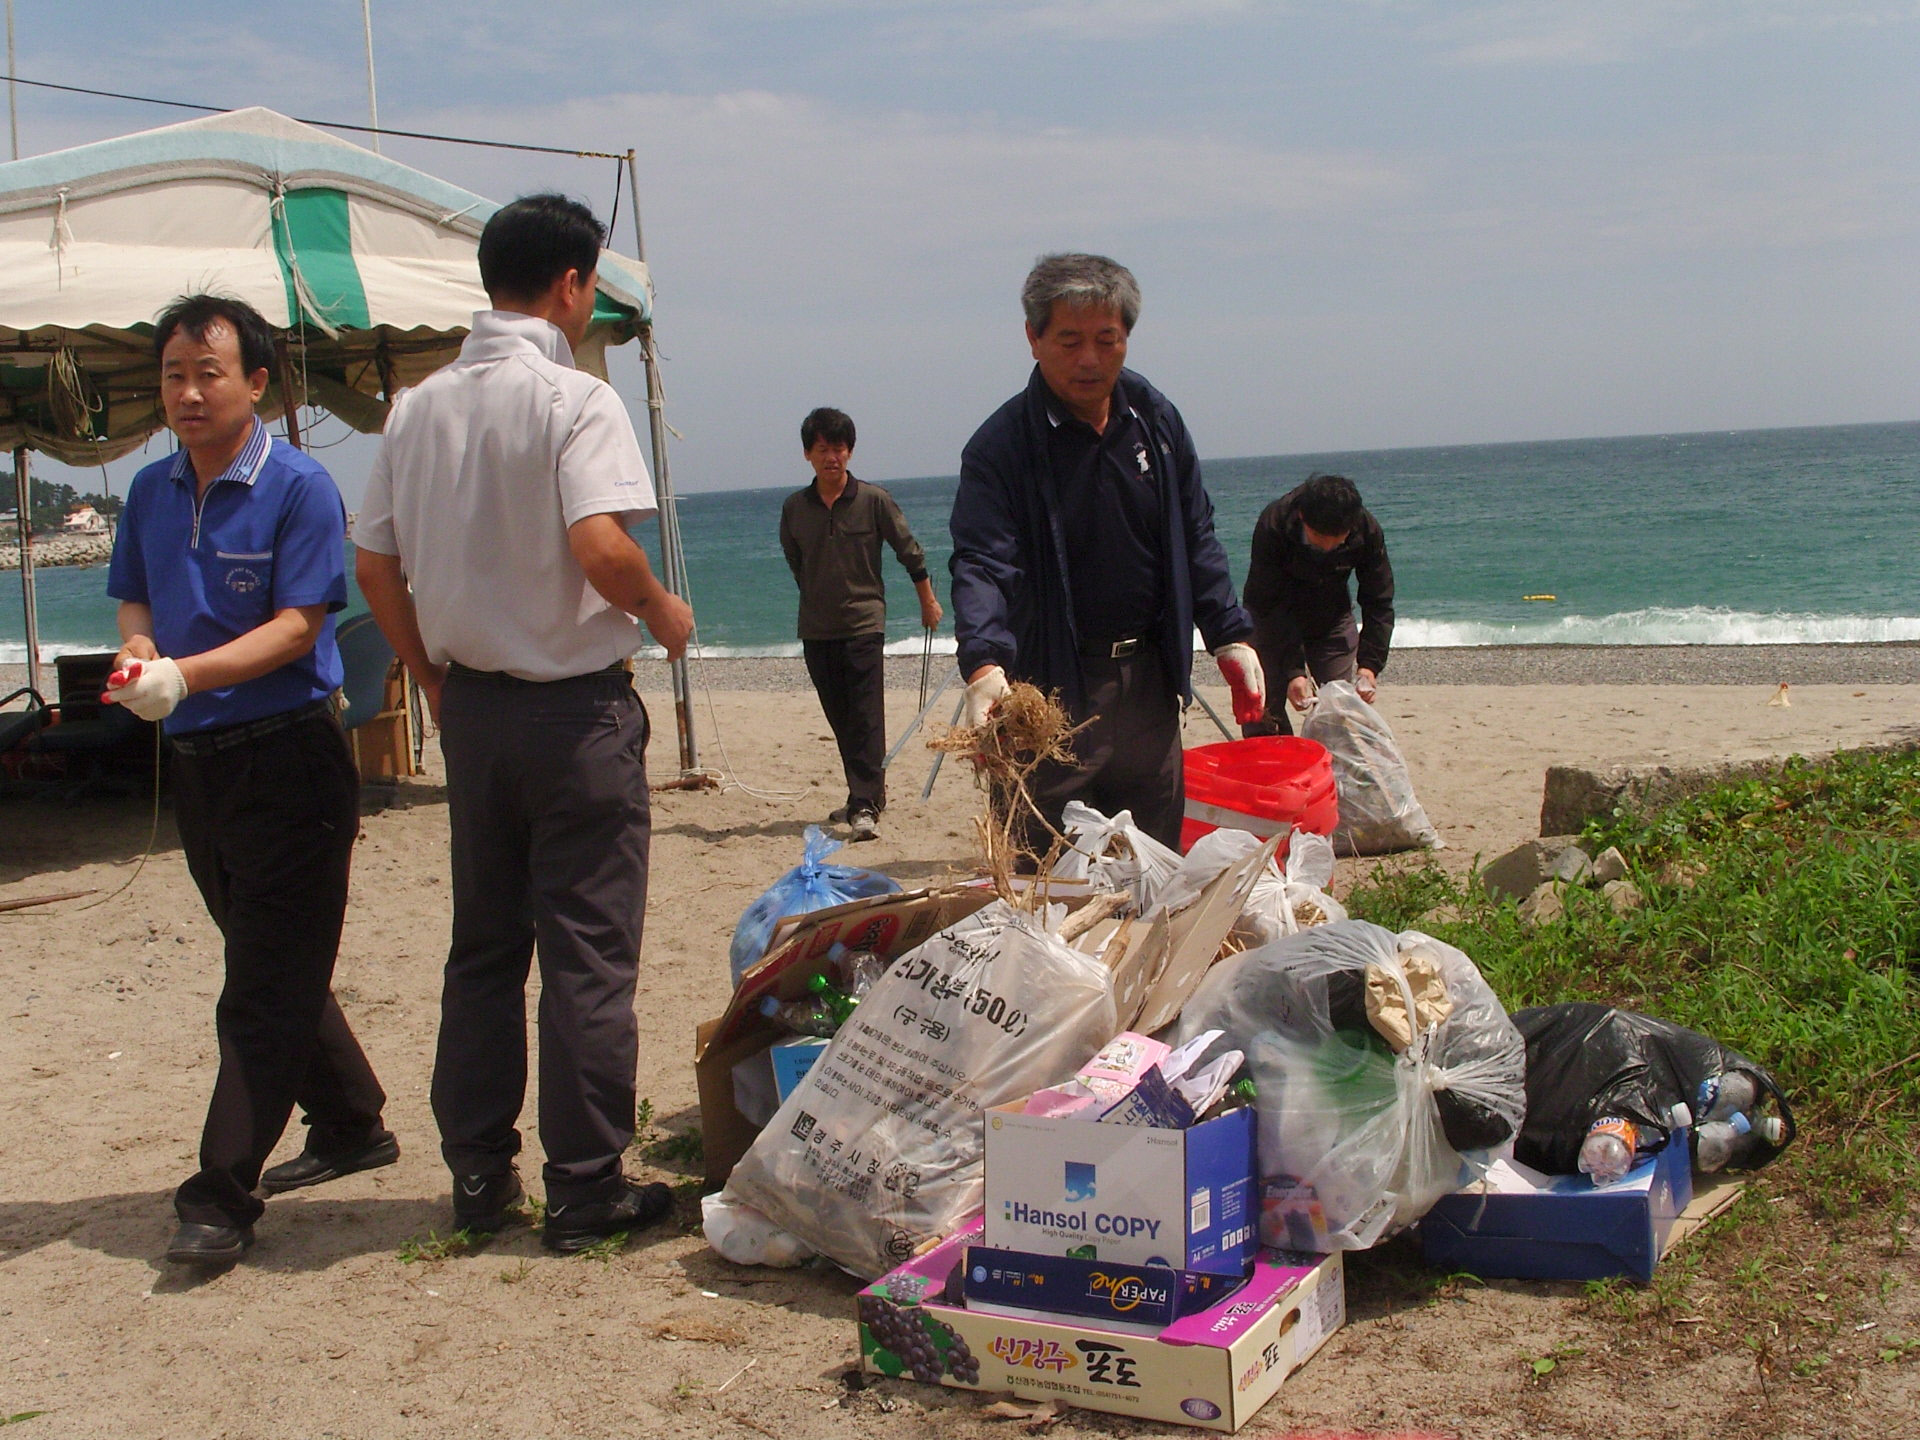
[(1084, 555)]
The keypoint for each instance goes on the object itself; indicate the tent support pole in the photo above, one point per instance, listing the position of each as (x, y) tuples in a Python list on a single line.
[(289, 407), (23, 493), (672, 557)]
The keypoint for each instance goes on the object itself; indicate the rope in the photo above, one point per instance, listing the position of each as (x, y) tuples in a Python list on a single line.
[(153, 834), (330, 124)]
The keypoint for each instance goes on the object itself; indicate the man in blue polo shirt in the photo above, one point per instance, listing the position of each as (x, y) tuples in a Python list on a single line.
[(228, 566)]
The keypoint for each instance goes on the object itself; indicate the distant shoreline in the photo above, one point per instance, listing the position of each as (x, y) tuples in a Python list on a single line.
[(51, 550), (1894, 662)]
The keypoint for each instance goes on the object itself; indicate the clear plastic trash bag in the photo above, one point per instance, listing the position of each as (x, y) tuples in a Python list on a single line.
[(1378, 811), (879, 1149), (1357, 1140), (1114, 854)]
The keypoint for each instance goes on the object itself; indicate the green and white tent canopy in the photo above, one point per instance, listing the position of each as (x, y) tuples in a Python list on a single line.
[(366, 268)]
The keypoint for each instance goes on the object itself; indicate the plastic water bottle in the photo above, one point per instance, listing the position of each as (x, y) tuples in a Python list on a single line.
[(1607, 1153), (1723, 1096), (1718, 1141)]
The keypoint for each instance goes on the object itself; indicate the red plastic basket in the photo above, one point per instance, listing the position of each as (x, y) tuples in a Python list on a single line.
[(1265, 785)]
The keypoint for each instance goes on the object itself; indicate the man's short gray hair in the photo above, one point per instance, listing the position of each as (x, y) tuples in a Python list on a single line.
[(1085, 282)]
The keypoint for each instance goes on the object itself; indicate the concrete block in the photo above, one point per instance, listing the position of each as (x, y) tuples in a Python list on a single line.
[(1572, 866), (1543, 906), (1516, 874)]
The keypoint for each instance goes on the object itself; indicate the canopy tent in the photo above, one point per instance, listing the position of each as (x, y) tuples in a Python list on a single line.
[(366, 268)]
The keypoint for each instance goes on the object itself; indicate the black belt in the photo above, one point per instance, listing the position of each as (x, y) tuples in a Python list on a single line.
[(225, 737), (501, 677), (1110, 649)]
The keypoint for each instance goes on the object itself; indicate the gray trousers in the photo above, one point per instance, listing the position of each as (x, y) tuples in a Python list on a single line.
[(547, 798)]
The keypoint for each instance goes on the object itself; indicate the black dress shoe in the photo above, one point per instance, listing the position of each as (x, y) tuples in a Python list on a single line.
[(210, 1245), (311, 1168), (572, 1228), (485, 1204)]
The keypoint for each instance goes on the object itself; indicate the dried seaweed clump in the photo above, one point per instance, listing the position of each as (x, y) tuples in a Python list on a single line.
[(1025, 730)]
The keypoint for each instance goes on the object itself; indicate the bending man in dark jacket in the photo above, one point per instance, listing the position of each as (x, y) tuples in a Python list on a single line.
[(1305, 545), (1084, 555)]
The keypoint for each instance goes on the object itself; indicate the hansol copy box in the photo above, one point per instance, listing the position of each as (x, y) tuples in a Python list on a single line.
[(1213, 1370), (1133, 1195)]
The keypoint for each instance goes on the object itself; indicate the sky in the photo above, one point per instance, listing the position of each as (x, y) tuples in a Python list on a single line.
[(1358, 224)]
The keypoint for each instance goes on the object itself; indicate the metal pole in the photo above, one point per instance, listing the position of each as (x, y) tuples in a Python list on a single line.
[(919, 720), (13, 111), (289, 404), (672, 558), (373, 98), (23, 493), (1215, 714)]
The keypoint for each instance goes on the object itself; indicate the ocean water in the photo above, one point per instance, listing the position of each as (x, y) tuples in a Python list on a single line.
[(1724, 538)]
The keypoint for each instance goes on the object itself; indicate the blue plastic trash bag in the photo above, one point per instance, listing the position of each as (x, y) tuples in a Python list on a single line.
[(811, 885)]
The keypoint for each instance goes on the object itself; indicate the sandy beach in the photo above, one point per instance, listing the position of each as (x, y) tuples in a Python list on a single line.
[(330, 1328)]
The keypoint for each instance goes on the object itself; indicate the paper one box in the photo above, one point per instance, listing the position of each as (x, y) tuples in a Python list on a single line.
[(1142, 1298), (1131, 1195), (1213, 1370), (1521, 1224)]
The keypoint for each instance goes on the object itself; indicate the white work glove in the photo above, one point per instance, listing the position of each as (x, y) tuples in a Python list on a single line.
[(982, 695), (149, 688), (1240, 668)]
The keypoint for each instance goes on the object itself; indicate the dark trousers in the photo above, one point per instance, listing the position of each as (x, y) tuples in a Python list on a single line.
[(1330, 656), (547, 797), (850, 678), (1129, 758), (268, 827)]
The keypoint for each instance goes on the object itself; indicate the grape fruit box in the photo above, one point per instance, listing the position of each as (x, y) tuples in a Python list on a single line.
[(1212, 1370)]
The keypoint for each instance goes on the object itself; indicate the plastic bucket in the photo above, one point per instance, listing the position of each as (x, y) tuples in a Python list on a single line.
[(1268, 785)]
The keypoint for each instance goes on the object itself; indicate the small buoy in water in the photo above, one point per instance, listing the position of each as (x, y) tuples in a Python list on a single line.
[(1539, 597), (1780, 697)]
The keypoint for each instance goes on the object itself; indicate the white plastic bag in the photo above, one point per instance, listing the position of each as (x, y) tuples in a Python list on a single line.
[(1114, 854), (1356, 1141), (746, 1237), (878, 1149), (1281, 903), (1378, 811)]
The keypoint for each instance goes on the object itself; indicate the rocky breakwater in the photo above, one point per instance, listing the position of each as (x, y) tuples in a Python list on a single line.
[(59, 550)]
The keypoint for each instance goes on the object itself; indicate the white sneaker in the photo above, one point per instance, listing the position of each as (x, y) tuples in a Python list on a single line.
[(865, 825)]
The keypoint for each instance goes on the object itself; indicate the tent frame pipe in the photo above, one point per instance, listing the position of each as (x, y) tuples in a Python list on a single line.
[(672, 558), (23, 492)]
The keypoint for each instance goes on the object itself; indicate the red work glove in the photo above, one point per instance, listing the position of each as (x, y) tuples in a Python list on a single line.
[(1240, 668)]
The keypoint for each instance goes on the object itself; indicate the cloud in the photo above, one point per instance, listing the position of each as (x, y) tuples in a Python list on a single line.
[(1552, 32)]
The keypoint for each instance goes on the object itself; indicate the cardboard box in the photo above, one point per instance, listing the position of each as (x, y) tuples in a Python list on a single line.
[(792, 1059), (888, 925), (1130, 1195), (1521, 1224), (1213, 1370), (1145, 1298)]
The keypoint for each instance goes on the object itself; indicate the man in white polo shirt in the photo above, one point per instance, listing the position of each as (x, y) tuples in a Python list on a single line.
[(503, 492)]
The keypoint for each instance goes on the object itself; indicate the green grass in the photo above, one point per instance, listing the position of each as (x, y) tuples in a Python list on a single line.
[(1782, 918), (434, 1247)]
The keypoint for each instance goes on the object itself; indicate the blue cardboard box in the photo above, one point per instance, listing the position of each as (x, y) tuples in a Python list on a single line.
[(1520, 1224), (792, 1059), (1125, 1194), (1147, 1296)]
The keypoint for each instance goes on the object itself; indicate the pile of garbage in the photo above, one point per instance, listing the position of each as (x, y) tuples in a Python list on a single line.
[(1316, 1084)]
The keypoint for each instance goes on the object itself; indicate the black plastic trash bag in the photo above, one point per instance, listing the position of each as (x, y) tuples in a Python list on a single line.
[(1586, 1061)]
